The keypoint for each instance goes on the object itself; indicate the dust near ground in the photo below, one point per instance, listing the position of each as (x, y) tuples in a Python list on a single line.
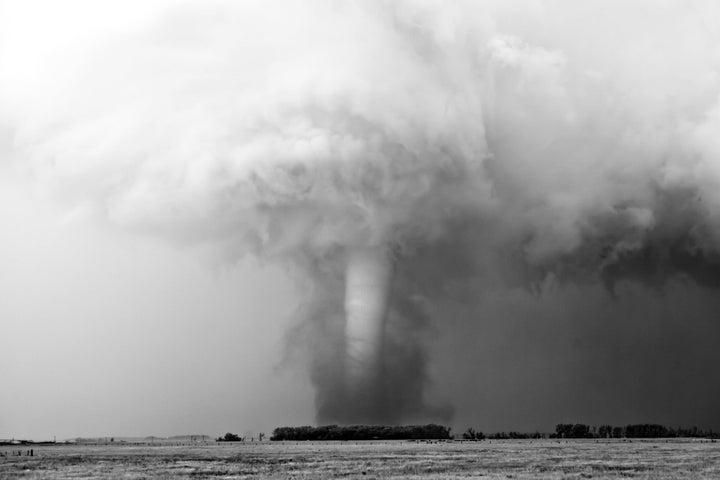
[(523, 459)]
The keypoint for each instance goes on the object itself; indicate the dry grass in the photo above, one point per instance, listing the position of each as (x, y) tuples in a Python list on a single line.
[(520, 459)]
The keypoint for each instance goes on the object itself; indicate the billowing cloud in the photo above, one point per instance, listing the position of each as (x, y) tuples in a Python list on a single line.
[(426, 152)]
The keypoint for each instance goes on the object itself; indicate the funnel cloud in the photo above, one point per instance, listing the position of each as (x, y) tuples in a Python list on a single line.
[(424, 170)]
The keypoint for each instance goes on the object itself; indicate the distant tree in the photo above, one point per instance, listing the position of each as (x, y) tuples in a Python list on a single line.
[(647, 430), (261, 436), (563, 430), (230, 437), (580, 430), (471, 434), (569, 430)]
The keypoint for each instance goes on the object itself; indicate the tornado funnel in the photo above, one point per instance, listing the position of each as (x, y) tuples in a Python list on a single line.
[(367, 282)]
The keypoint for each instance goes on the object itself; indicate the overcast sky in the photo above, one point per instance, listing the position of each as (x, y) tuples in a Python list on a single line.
[(183, 183), (109, 333)]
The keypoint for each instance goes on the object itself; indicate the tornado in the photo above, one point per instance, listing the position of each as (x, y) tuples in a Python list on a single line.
[(368, 279)]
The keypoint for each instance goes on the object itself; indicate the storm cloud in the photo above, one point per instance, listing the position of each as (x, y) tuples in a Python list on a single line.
[(475, 167)]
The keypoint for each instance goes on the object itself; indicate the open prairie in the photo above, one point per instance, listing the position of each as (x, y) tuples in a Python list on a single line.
[(518, 459)]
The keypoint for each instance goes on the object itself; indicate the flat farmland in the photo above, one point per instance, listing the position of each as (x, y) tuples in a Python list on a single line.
[(518, 459)]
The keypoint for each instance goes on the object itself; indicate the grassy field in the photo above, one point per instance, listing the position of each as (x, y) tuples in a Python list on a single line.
[(518, 459)]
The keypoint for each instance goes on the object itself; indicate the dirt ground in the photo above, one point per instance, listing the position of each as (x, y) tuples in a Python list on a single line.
[(519, 459)]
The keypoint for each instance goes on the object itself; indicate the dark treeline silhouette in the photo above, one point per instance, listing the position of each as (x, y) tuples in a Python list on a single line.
[(230, 437), (514, 435), (577, 430), (471, 434), (640, 430), (580, 430), (362, 432)]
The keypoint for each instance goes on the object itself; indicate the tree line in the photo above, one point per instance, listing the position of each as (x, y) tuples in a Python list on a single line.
[(581, 430), (439, 432), (362, 432), (472, 434), (639, 430)]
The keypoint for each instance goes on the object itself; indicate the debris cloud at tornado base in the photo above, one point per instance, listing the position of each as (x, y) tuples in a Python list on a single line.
[(399, 157)]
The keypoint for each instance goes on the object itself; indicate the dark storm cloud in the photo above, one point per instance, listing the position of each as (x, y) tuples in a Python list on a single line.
[(498, 150)]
